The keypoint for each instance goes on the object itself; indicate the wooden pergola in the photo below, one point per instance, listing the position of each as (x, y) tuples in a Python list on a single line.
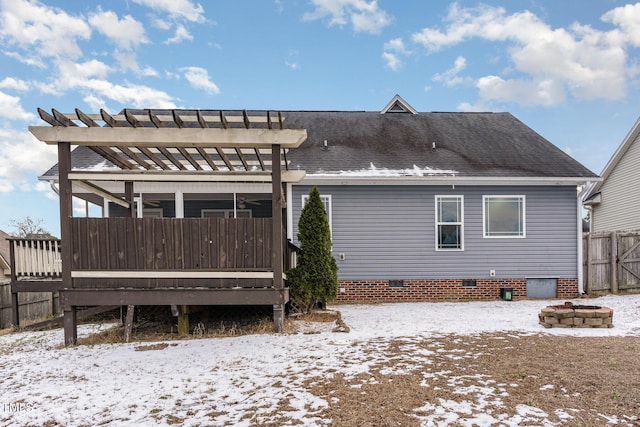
[(171, 146)]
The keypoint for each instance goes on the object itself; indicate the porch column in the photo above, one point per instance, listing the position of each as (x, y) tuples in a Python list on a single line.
[(66, 211), (179, 201), (277, 256)]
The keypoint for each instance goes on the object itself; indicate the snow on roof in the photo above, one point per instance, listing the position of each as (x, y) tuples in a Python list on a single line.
[(373, 171), (99, 167)]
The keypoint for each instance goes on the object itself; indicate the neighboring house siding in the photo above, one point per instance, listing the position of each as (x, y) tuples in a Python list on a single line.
[(620, 195), (388, 232)]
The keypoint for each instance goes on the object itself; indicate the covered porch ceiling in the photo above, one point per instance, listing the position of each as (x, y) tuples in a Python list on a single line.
[(180, 145)]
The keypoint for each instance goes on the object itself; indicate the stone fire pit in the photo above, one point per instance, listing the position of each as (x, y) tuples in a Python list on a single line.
[(576, 316)]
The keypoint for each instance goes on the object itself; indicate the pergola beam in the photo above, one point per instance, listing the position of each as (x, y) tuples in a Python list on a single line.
[(184, 176), (102, 193), (169, 137)]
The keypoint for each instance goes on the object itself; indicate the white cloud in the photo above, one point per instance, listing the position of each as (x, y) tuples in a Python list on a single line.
[(15, 84), (392, 60), (71, 73), (177, 9), (524, 92), (626, 17), (10, 108), (181, 34), (547, 63), (364, 16), (149, 72), (292, 65), (42, 31), (126, 33), (45, 188), (161, 23), (129, 95), (94, 102), (393, 49), (127, 60), (89, 79), (20, 154), (450, 77), (199, 78)]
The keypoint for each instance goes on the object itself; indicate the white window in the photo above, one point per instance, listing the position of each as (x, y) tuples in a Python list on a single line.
[(225, 213), (449, 223), (326, 201), (504, 216), (152, 213)]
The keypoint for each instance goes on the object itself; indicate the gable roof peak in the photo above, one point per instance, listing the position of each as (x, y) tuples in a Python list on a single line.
[(398, 105)]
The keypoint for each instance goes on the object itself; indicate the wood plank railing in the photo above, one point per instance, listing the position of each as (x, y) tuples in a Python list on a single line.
[(36, 257), (171, 244)]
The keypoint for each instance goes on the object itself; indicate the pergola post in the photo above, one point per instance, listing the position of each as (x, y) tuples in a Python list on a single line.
[(66, 210), (128, 195), (277, 259)]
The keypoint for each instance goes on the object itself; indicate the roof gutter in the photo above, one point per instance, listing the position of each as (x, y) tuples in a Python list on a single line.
[(327, 179)]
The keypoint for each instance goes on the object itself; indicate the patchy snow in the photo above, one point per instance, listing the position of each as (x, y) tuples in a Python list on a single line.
[(255, 379), (98, 167), (376, 172)]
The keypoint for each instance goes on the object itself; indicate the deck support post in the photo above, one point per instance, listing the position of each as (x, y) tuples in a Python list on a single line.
[(128, 323), (70, 321), (66, 212), (278, 318), (15, 310), (183, 320)]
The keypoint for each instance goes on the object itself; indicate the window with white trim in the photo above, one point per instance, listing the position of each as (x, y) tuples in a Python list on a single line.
[(449, 223), (225, 213), (326, 202), (503, 216)]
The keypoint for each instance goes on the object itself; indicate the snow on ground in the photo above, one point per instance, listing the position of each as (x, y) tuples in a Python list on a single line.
[(243, 380)]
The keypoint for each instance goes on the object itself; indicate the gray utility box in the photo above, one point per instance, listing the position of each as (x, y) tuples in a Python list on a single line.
[(542, 288)]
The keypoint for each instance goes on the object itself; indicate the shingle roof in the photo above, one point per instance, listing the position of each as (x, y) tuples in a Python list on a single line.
[(472, 144), (467, 144)]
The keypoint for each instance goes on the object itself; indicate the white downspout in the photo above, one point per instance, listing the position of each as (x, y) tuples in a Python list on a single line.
[(579, 241)]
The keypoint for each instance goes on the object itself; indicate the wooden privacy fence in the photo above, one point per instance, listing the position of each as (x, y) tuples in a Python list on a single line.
[(611, 262), (32, 305)]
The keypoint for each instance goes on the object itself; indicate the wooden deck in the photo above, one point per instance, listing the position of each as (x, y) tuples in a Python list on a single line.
[(157, 261)]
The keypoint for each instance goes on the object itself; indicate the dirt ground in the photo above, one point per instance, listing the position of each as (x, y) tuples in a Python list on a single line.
[(452, 380), (581, 377), (573, 380)]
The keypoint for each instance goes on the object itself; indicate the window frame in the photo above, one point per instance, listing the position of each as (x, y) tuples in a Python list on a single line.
[(327, 207), (226, 213), (439, 223), (523, 216)]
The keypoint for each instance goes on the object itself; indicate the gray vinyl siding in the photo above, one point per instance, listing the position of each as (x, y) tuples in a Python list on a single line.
[(620, 195), (388, 232)]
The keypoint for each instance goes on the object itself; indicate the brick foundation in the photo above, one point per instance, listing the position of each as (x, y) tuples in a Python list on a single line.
[(351, 291)]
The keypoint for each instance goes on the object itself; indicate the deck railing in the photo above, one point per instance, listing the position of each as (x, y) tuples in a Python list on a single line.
[(152, 252), (36, 257), (176, 244)]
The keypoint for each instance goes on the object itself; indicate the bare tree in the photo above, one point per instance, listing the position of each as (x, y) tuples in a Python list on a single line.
[(28, 227)]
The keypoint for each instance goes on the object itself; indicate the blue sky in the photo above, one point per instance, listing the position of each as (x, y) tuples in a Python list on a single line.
[(569, 69)]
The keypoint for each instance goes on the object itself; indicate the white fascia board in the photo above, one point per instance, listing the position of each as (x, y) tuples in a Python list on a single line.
[(311, 179)]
